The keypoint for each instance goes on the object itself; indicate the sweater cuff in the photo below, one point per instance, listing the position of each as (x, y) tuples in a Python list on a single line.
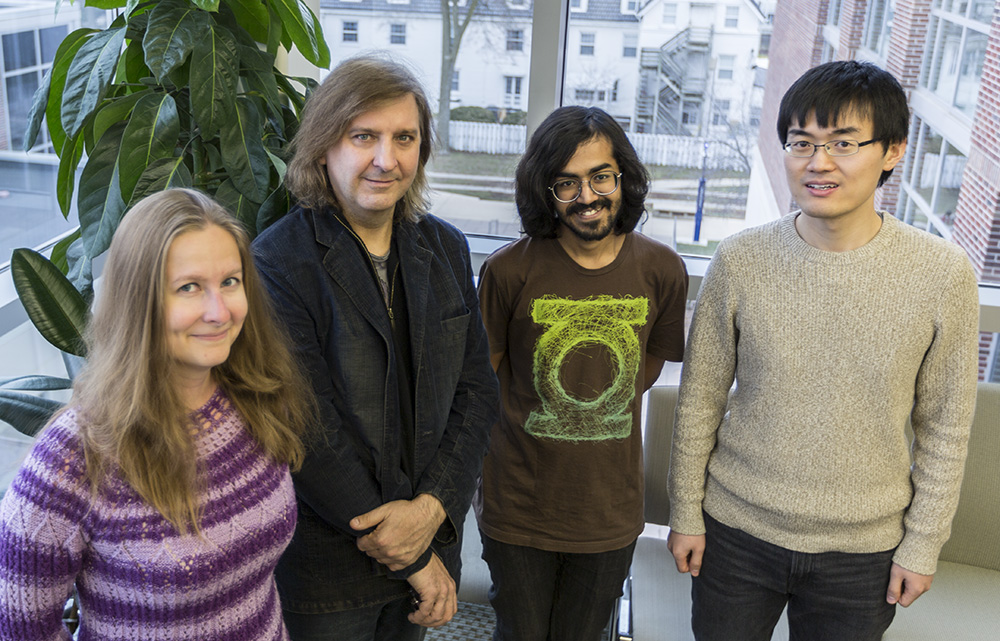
[(688, 520), (917, 554)]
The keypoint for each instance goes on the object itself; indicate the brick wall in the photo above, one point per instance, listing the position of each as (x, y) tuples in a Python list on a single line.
[(796, 46), (977, 216)]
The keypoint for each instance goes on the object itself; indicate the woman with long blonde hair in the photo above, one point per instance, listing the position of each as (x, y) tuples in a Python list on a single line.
[(162, 491)]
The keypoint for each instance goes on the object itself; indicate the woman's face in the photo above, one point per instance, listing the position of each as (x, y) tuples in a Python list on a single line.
[(204, 302)]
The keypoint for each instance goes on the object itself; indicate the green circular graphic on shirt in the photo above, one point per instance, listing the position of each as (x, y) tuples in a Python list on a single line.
[(570, 324)]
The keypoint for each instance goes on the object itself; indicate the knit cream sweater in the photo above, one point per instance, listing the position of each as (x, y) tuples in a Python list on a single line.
[(830, 353)]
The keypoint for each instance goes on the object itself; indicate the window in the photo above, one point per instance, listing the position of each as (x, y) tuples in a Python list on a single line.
[(725, 68), (27, 55), (601, 94), (512, 91), (515, 40), (454, 80), (630, 45), (720, 112), (732, 17), (587, 41), (614, 92), (630, 6), (350, 31), (517, 4), (584, 95), (578, 5), (669, 13), (878, 26), (954, 66), (397, 34)]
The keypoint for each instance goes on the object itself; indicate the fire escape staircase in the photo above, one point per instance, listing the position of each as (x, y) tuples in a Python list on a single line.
[(665, 80)]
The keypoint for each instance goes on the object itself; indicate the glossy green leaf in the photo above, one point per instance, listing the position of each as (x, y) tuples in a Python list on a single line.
[(207, 5), (35, 383), (105, 4), (89, 76), (252, 16), (214, 75), (81, 269), (276, 206), (243, 208), (133, 68), (162, 174), (69, 160), (174, 29), (100, 203), (37, 112), (302, 27), (151, 134), (278, 164), (58, 256), (60, 65), (115, 111), (243, 153), (26, 413), (54, 306), (257, 68)]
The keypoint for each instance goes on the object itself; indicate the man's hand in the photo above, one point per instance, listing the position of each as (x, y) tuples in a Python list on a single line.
[(906, 586), (403, 530), (436, 590), (687, 551)]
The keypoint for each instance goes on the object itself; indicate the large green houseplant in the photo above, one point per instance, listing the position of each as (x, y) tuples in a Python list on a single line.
[(172, 93)]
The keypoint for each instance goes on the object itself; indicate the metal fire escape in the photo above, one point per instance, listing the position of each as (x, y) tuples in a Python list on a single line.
[(670, 76)]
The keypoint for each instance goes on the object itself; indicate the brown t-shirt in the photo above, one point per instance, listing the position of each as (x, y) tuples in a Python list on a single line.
[(564, 469)]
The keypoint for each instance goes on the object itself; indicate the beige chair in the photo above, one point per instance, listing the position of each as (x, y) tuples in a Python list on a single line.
[(964, 601), (963, 604)]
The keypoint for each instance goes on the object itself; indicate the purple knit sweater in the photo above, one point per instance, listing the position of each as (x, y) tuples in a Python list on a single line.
[(137, 578)]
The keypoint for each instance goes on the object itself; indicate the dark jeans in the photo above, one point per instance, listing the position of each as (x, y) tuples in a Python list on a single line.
[(553, 596), (745, 583), (383, 622)]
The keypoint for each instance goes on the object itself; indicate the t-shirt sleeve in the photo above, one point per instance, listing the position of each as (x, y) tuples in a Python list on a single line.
[(494, 305), (666, 337)]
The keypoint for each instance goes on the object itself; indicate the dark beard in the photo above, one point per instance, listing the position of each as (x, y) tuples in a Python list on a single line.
[(591, 231)]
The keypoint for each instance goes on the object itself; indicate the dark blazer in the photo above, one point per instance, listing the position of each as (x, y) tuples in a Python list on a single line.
[(328, 299)]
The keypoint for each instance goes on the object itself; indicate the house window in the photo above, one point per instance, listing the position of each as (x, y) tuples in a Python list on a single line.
[(515, 40), (454, 80), (732, 17), (587, 44), (512, 91), (350, 33), (614, 92), (26, 57), (720, 112), (601, 95), (578, 5), (726, 65), (669, 13), (517, 4), (397, 34), (630, 45), (630, 6), (584, 95)]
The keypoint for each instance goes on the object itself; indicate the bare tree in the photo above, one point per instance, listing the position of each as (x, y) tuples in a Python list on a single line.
[(454, 22)]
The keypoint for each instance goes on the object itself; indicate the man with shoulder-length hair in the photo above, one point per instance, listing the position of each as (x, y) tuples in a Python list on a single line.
[(581, 314), (838, 323), (378, 298)]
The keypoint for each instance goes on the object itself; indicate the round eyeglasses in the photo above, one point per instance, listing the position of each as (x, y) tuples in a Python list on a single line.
[(847, 147), (603, 183)]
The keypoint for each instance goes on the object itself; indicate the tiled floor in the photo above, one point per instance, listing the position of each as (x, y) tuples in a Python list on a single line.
[(473, 622)]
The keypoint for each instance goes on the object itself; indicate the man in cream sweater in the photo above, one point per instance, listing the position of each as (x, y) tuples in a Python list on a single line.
[(837, 323)]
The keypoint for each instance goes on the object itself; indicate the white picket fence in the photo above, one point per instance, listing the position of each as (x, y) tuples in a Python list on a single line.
[(653, 149)]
